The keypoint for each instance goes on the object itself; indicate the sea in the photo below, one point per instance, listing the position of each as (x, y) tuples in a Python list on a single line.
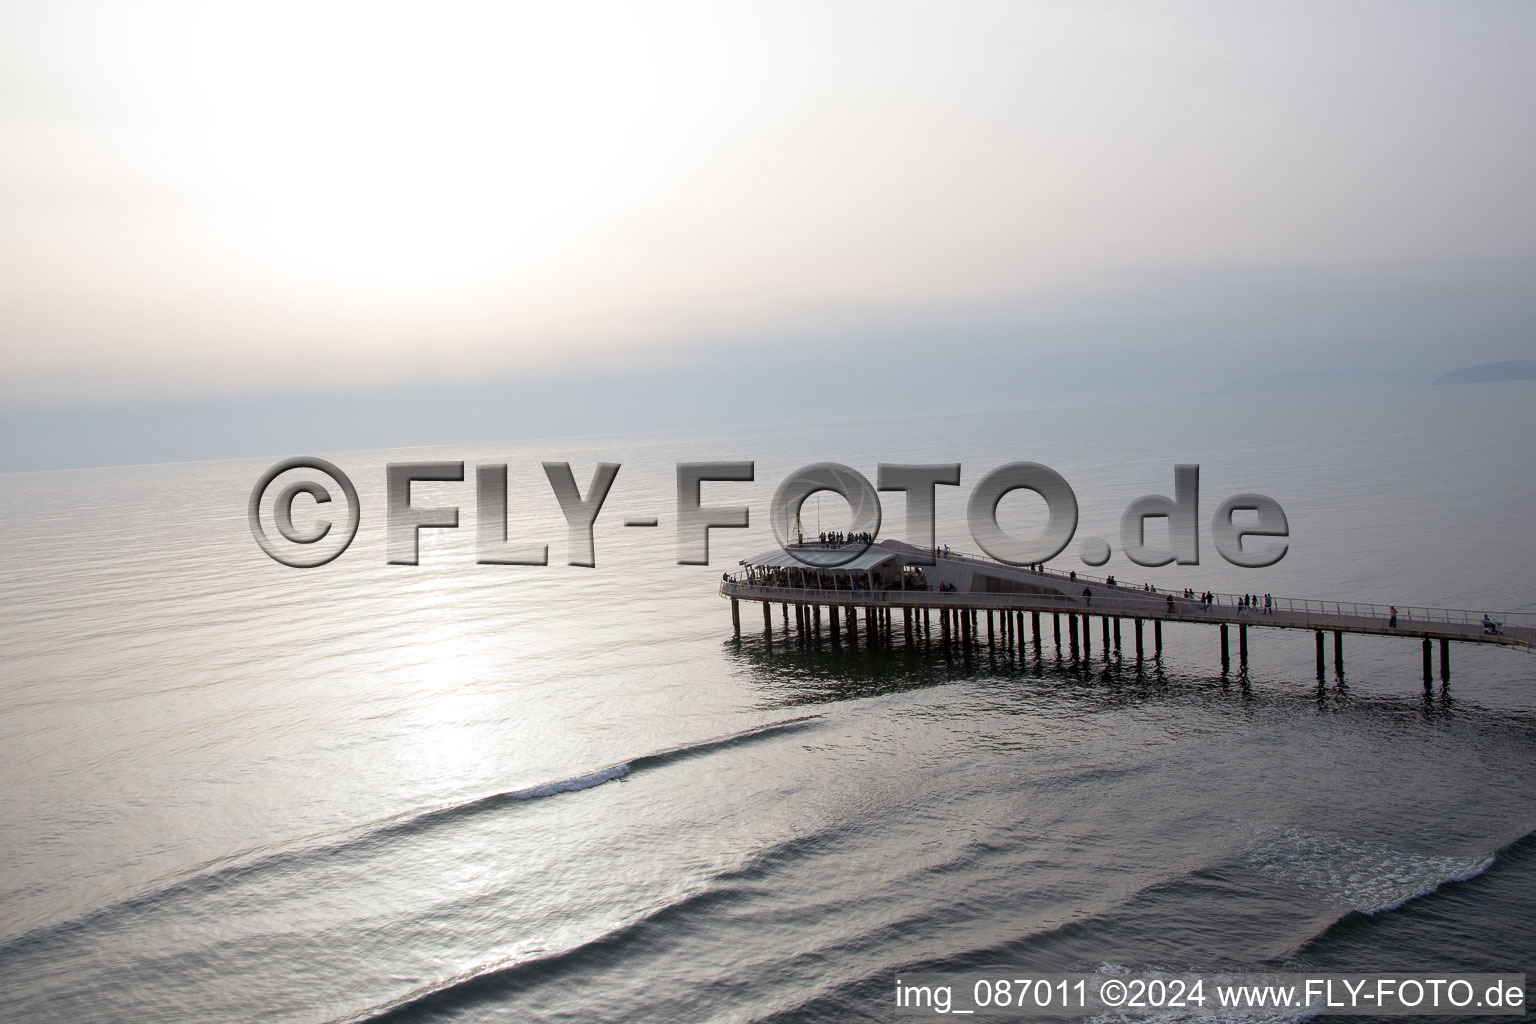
[(233, 790)]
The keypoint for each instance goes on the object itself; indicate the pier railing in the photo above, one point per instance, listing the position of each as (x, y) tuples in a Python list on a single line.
[(1365, 609), (1138, 599), (1142, 605)]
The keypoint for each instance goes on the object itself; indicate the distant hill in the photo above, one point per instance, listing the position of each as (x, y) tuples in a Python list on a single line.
[(1519, 369)]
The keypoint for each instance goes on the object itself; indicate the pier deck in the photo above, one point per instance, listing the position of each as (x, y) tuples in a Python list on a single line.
[(961, 586)]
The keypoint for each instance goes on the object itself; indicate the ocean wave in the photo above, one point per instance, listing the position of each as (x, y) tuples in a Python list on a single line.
[(1522, 846), (222, 871), (1377, 878), (1368, 877), (489, 977), (660, 918)]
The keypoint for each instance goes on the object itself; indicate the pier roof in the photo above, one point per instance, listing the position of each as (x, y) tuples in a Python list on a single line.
[(873, 558)]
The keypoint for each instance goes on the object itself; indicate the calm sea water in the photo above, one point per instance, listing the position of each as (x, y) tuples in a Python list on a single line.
[(236, 791)]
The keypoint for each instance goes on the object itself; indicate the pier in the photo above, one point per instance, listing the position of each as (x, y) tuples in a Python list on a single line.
[(959, 596)]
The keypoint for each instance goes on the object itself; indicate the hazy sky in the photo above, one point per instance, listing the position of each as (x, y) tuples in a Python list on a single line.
[(204, 201)]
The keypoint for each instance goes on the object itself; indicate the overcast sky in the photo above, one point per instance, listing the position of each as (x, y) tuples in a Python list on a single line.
[(204, 204)]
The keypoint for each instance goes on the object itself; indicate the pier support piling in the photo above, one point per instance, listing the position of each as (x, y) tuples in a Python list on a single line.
[(736, 617), (1157, 639), (1226, 659), (1139, 654), (1072, 634), (1428, 657), (1242, 646), (1445, 661), (1338, 652), (1321, 667)]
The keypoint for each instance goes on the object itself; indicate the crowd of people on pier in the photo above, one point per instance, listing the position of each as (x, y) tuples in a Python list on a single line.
[(837, 538)]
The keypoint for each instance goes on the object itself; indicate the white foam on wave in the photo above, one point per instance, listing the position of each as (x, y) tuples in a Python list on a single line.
[(1363, 876), (597, 778), (643, 761), (1212, 1016), (1204, 1014)]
